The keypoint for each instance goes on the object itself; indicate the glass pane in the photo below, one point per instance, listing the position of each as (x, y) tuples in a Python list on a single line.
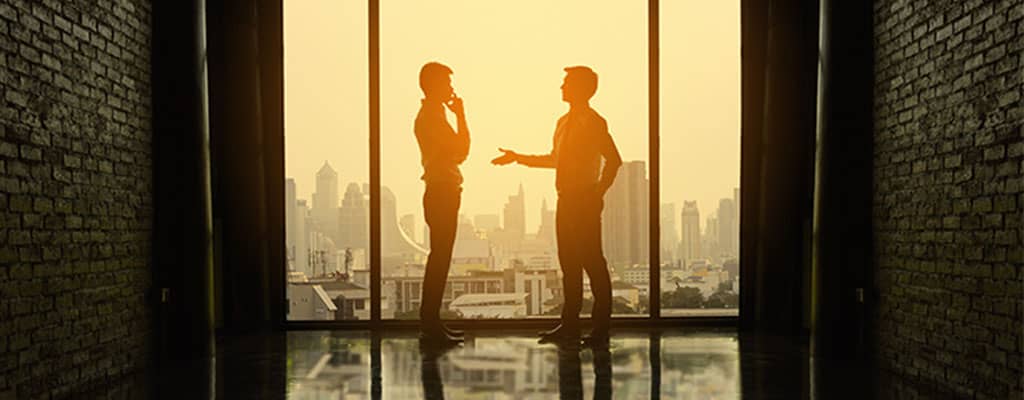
[(508, 66), (700, 157), (326, 159)]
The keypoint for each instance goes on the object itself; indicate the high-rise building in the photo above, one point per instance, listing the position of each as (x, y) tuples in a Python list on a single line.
[(515, 214), (726, 227), (289, 222), (709, 242), (354, 220), (325, 202), (669, 236), (394, 243), (736, 224), (546, 231), (690, 248), (302, 237), (625, 217), (408, 225)]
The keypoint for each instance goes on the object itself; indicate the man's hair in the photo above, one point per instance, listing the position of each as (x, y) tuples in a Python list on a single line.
[(585, 77), (432, 72)]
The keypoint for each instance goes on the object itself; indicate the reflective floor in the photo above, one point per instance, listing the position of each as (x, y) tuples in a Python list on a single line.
[(683, 363), (325, 366)]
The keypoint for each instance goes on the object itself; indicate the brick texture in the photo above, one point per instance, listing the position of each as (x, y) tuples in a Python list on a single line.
[(75, 193), (948, 193)]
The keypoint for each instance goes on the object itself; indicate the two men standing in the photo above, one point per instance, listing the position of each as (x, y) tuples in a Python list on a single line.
[(580, 146)]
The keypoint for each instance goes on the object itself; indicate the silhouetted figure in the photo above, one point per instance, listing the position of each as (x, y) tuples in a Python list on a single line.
[(581, 142), (570, 373), (442, 149), (430, 371)]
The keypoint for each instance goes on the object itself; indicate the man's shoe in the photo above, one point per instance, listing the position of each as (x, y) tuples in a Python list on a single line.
[(453, 332), (560, 333), (599, 339), (438, 336)]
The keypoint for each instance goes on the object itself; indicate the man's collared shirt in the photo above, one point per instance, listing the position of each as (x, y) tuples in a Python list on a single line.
[(441, 148), (580, 143)]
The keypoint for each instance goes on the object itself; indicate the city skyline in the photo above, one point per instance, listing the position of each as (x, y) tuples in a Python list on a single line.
[(532, 222), (510, 84)]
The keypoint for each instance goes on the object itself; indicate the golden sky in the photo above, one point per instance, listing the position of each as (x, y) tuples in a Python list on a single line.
[(508, 59)]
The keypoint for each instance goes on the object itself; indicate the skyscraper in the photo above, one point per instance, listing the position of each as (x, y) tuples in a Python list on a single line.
[(515, 214), (289, 221), (408, 224), (736, 224), (709, 242), (625, 218), (669, 237), (302, 237), (353, 220), (394, 243), (325, 202), (726, 227), (690, 227), (546, 231)]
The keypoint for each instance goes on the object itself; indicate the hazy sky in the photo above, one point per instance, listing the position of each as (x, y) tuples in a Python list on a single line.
[(508, 61)]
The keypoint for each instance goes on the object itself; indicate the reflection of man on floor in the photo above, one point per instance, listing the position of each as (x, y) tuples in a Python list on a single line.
[(442, 149), (581, 142)]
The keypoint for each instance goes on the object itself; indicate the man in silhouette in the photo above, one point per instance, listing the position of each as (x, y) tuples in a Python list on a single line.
[(580, 144), (442, 150)]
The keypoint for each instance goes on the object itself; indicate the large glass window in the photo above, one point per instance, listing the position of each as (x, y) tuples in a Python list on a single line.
[(508, 62), (700, 157), (326, 160)]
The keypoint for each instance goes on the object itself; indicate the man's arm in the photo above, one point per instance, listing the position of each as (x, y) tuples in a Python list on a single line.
[(461, 144), (529, 160), (536, 160), (612, 160)]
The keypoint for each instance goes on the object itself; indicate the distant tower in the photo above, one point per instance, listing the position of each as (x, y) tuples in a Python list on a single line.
[(394, 242), (625, 218), (302, 220), (690, 224), (546, 231), (289, 222), (669, 236), (726, 226), (515, 213), (408, 224), (354, 219), (709, 242), (736, 224), (325, 202)]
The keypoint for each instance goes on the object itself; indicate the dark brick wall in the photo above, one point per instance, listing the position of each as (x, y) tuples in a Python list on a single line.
[(75, 193), (948, 192)]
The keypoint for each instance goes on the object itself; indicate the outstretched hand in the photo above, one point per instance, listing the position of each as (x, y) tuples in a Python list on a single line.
[(507, 158)]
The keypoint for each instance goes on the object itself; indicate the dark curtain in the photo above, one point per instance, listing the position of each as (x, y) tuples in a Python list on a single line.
[(779, 74), (246, 125)]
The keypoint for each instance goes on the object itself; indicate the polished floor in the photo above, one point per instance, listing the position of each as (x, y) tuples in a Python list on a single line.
[(681, 363)]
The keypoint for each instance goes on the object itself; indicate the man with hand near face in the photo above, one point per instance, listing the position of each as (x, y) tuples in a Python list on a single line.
[(442, 150)]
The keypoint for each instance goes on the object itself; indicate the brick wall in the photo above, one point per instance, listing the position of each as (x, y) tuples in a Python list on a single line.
[(948, 192), (75, 193)]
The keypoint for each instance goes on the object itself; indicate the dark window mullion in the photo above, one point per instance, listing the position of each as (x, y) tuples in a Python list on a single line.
[(375, 242), (654, 194)]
